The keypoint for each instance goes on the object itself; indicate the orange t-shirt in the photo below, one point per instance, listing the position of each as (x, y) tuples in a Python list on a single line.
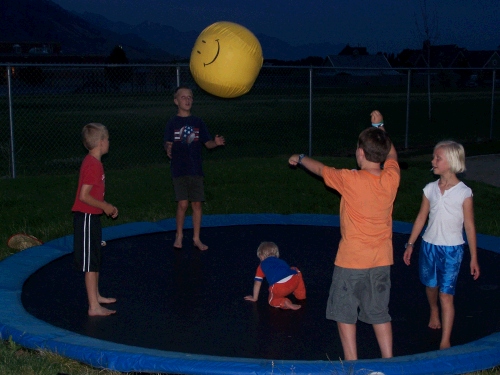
[(365, 214)]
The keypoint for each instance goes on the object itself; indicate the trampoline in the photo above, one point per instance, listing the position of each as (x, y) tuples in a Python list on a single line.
[(183, 312)]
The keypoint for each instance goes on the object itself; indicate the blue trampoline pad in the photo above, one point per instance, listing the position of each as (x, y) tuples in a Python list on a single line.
[(182, 311)]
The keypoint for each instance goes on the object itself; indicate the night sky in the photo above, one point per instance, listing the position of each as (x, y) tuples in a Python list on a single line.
[(379, 25)]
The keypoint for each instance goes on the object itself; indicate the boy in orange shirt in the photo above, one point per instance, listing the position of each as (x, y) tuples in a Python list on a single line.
[(361, 277)]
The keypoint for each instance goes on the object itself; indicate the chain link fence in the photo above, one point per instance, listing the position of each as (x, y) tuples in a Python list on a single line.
[(319, 111)]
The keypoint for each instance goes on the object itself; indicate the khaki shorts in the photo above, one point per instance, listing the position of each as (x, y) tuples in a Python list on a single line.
[(189, 188), (367, 291)]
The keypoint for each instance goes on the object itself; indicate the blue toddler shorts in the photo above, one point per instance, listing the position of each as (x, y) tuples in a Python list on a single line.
[(439, 266)]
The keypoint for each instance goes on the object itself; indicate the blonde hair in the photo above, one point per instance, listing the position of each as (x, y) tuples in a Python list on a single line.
[(93, 133), (268, 249), (455, 155), (176, 92)]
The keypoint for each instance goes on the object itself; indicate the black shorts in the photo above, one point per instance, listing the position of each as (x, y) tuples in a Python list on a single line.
[(189, 188), (87, 241)]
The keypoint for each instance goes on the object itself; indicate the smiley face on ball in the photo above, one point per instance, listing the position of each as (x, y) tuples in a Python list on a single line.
[(208, 50), (226, 59)]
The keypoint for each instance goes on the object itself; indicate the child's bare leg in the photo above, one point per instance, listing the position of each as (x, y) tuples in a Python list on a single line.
[(197, 213), (95, 308), (289, 305), (100, 298), (432, 297), (447, 318), (180, 215), (383, 332), (347, 333)]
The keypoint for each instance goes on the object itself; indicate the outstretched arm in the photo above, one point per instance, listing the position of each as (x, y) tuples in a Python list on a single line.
[(392, 153), (378, 120), (470, 231), (418, 225), (256, 290), (308, 163), (217, 141)]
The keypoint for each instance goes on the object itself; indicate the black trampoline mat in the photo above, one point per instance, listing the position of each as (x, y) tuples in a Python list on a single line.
[(192, 302)]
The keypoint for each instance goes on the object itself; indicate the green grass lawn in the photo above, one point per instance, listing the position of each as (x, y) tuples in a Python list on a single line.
[(41, 206), (265, 122)]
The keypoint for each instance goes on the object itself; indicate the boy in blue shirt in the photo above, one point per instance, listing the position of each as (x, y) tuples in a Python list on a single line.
[(283, 280), (183, 140)]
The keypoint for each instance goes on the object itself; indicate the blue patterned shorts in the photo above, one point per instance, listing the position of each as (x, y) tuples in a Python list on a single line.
[(439, 266)]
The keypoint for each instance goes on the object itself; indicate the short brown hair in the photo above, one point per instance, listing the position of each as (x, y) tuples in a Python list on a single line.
[(92, 133), (375, 143), (268, 249)]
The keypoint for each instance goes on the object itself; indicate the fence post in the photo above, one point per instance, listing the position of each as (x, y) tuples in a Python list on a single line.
[(310, 110), (11, 122), (492, 103), (407, 108)]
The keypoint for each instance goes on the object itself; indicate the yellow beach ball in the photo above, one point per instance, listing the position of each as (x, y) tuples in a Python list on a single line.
[(226, 59)]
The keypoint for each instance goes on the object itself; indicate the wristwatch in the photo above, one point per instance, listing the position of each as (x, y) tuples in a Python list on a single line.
[(408, 244), (301, 156)]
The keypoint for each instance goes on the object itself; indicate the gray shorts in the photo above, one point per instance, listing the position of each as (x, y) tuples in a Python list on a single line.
[(189, 188), (360, 294)]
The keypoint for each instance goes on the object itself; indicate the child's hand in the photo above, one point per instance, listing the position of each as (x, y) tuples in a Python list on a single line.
[(294, 160), (474, 270), (219, 140), (251, 298), (407, 255), (111, 210), (377, 118)]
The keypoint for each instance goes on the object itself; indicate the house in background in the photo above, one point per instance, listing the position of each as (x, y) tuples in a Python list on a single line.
[(482, 61), (42, 53), (452, 56), (353, 51), (353, 65)]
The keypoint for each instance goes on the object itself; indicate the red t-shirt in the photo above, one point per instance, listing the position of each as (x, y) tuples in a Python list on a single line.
[(91, 173)]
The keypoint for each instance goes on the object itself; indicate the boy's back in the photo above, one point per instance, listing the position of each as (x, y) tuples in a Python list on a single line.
[(360, 288), (365, 214)]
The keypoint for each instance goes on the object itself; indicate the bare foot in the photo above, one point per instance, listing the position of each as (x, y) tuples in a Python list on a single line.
[(106, 300), (444, 345), (289, 305), (178, 241), (434, 322), (100, 311), (200, 245)]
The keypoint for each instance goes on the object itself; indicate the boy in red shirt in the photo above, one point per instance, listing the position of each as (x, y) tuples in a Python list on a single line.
[(88, 207)]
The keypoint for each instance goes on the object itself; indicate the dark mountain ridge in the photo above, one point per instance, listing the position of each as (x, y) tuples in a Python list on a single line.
[(43, 21)]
